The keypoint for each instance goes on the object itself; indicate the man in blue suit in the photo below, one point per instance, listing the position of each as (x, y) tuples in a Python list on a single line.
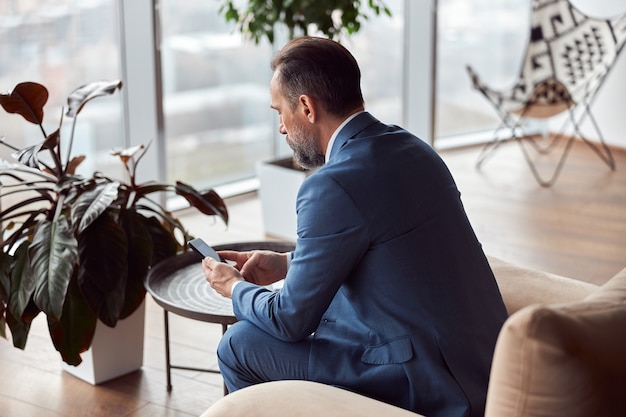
[(388, 292)]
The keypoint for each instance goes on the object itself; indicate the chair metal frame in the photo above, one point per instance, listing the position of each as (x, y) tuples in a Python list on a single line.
[(567, 59)]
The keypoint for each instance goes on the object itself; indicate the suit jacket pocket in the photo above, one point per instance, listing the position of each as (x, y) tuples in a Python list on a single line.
[(391, 351)]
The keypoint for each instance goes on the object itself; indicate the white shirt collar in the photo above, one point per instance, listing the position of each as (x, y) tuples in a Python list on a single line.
[(336, 132)]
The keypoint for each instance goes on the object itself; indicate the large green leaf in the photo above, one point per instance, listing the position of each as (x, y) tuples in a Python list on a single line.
[(140, 249), (5, 264), (73, 333), (164, 242), (91, 204), (5, 277), (30, 312), (79, 97), (3, 321), (103, 252), (29, 156), (22, 281), (19, 330), (27, 99), (53, 254), (19, 284), (31, 175), (209, 203)]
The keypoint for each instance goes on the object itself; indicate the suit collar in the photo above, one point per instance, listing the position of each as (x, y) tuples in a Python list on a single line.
[(352, 129)]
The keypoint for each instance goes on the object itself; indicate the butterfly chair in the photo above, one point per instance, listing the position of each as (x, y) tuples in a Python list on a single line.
[(567, 59)]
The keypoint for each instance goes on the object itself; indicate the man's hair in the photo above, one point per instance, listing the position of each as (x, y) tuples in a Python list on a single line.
[(322, 69)]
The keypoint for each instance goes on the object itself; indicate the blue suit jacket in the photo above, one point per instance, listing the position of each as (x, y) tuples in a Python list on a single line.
[(388, 276)]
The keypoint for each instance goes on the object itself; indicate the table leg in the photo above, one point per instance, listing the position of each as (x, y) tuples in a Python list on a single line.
[(224, 328), (168, 365)]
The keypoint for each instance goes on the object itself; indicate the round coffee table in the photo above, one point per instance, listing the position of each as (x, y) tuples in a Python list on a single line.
[(177, 284)]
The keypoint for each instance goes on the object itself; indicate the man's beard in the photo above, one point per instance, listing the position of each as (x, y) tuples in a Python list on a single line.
[(305, 150)]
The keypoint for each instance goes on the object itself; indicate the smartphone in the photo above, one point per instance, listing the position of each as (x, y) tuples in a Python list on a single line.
[(201, 247)]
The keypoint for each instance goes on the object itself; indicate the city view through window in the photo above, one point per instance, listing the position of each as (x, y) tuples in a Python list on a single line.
[(218, 122)]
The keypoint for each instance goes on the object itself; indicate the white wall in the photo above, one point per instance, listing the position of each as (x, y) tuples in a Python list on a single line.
[(609, 107)]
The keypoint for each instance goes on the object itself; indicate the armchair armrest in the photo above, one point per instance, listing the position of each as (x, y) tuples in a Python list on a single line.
[(521, 286)]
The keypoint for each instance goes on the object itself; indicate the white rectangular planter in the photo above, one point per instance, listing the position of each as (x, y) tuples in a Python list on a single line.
[(279, 183), (115, 351)]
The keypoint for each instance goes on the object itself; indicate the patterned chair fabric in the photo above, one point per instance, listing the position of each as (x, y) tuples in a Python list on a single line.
[(568, 56)]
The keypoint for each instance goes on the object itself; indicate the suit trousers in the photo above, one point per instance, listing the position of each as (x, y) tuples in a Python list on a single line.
[(247, 355)]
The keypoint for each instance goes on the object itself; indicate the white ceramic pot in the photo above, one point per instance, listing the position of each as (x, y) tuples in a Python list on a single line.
[(115, 351)]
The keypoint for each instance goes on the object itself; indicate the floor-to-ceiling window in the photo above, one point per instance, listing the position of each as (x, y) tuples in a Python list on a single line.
[(215, 96), (489, 35), (378, 48), (215, 84), (218, 122), (63, 44)]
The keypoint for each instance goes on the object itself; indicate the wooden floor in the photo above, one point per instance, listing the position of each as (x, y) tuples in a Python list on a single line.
[(576, 228)]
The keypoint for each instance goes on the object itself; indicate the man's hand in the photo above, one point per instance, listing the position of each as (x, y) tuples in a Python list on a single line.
[(261, 267), (220, 276)]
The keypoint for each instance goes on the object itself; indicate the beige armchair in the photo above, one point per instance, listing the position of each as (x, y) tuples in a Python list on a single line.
[(562, 352)]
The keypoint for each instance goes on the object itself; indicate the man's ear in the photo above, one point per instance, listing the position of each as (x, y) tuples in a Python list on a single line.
[(308, 106)]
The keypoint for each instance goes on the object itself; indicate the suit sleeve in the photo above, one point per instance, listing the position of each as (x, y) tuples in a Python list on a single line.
[(332, 238)]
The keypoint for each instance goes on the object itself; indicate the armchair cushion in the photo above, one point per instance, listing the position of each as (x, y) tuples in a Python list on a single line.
[(563, 359), (301, 399)]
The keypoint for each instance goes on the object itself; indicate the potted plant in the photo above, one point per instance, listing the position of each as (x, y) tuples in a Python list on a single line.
[(279, 182), (334, 18), (75, 248)]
